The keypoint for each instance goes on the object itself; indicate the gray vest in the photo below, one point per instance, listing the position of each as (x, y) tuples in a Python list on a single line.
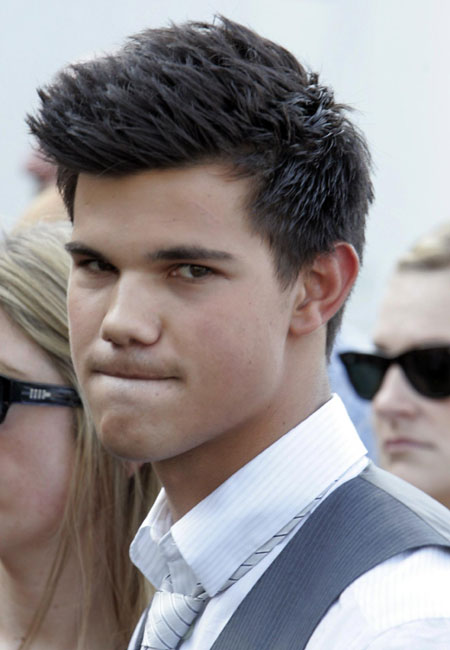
[(362, 523)]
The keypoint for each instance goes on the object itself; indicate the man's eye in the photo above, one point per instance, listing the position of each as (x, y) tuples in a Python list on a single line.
[(191, 271), (95, 265)]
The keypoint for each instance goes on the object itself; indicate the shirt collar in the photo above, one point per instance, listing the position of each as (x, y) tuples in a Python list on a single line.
[(231, 523)]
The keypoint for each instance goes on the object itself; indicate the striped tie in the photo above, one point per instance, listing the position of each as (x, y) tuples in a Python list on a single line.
[(171, 615)]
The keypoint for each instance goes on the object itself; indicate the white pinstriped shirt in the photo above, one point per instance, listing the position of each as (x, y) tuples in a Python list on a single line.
[(403, 603)]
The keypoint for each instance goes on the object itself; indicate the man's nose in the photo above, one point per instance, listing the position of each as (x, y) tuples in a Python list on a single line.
[(396, 396), (132, 315)]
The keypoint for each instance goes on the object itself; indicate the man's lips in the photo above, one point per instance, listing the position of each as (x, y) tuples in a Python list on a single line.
[(133, 372), (134, 375)]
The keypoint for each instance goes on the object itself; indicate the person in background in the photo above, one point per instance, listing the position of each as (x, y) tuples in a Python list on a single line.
[(408, 377), (41, 171), (46, 206), (68, 510)]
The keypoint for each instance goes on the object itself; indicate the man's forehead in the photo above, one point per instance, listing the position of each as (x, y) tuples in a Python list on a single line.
[(202, 175), (201, 198)]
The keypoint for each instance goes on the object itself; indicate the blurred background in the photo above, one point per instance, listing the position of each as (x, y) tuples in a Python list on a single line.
[(386, 58)]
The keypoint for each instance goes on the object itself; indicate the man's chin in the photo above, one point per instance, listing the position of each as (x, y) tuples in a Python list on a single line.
[(123, 450), (120, 440)]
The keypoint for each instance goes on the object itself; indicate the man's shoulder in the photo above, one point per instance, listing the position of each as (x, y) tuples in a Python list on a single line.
[(408, 587), (407, 594), (427, 509), (346, 559)]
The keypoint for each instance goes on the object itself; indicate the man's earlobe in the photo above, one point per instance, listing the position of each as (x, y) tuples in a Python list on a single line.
[(323, 288)]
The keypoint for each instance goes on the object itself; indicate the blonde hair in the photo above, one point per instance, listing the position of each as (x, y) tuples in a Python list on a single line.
[(431, 252), (105, 503)]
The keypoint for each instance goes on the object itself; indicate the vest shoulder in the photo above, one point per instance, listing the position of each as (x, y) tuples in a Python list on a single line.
[(421, 504)]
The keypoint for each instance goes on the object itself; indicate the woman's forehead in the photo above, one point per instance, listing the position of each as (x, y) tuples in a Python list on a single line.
[(415, 309)]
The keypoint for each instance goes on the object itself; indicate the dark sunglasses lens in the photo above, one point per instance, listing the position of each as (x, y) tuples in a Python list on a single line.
[(429, 371), (365, 372), (3, 407)]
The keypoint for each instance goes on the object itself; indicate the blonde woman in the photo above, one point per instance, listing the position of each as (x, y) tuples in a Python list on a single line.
[(68, 510), (408, 378)]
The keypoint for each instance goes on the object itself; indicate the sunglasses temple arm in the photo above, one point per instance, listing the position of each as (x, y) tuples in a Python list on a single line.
[(44, 394)]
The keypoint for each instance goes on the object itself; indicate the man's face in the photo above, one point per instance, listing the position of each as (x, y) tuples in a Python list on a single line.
[(413, 432), (178, 324)]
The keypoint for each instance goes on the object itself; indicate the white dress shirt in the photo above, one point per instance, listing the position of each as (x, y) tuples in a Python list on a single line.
[(402, 603)]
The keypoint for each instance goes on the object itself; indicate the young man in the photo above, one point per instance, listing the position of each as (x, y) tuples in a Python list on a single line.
[(218, 196)]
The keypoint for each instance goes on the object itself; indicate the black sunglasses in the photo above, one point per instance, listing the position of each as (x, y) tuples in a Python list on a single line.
[(427, 370), (24, 392)]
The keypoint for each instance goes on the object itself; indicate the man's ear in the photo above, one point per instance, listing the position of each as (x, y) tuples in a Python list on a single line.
[(323, 287)]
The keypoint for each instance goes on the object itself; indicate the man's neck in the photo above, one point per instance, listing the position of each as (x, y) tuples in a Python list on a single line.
[(192, 476)]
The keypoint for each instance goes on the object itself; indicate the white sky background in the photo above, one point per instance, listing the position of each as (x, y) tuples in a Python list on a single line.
[(387, 58)]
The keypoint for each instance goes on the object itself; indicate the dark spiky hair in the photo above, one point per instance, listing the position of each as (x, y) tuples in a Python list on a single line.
[(200, 92)]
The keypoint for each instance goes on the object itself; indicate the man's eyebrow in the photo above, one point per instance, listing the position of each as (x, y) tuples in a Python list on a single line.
[(171, 253), (78, 248), (188, 253)]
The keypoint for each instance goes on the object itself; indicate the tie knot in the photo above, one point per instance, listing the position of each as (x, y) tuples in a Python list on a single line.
[(170, 617)]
